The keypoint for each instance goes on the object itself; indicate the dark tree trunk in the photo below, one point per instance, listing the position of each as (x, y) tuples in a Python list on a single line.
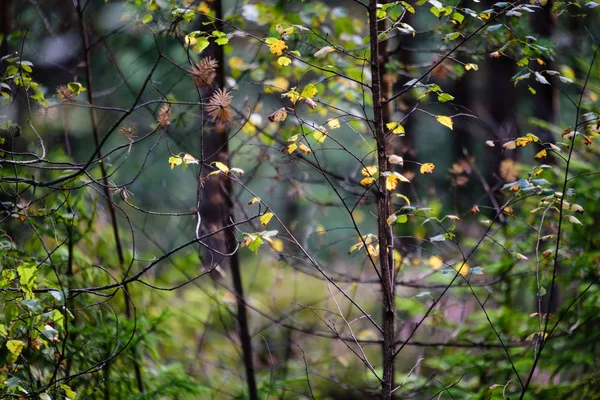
[(216, 207)]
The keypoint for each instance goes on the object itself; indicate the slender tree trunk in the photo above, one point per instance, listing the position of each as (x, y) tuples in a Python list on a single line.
[(105, 186), (216, 208), (386, 245)]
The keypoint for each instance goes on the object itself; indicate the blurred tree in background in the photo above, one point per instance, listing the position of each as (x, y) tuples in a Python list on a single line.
[(295, 200)]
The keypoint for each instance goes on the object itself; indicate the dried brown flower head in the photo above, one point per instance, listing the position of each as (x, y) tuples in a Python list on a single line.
[(219, 106), (164, 116), (204, 72), (64, 93), (128, 131), (47, 112)]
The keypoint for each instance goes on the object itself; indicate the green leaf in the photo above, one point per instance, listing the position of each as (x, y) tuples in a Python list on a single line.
[(255, 244), (147, 18)]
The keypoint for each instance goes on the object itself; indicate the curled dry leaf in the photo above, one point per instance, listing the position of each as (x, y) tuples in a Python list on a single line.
[(395, 160), (278, 116)]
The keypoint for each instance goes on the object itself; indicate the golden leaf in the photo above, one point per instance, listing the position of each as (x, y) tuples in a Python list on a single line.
[(541, 154), (370, 170), (367, 181), (435, 262), (444, 120), (427, 168), (277, 47), (333, 123), (304, 148), (221, 167), (396, 128), (254, 200), (265, 218)]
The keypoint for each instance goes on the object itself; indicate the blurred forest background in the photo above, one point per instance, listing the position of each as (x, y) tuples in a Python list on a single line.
[(195, 194)]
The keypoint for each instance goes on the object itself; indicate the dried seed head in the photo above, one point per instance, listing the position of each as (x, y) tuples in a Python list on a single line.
[(128, 131), (64, 93), (219, 106), (204, 72), (164, 116)]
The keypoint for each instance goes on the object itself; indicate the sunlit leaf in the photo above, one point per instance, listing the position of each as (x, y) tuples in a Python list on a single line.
[(427, 168), (444, 120), (284, 61), (278, 116), (265, 218), (175, 161)]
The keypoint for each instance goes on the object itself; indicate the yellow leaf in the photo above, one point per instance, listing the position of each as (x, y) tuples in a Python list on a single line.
[(370, 170), (277, 47), (277, 245), (367, 181), (427, 168), (293, 138), (333, 123), (293, 95), (221, 167), (291, 148), (265, 218), (303, 148), (284, 61), (236, 62), (396, 128), (541, 154), (279, 84), (278, 116), (254, 200), (446, 121), (391, 182), (309, 91), (463, 268), (175, 161), (319, 134), (435, 262), (474, 67)]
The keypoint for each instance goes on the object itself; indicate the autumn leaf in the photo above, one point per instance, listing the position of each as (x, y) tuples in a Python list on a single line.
[(446, 121), (276, 46), (435, 262), (370, 170), (304, 148), (473, 67), (221, 167), (367, 181), (510, 145), (189, 159), (284, 61), (541, 154), (396, 128), (309, 91), (319, 134), (293, 95), (175, 161), (265, 218), (391, 181), (254, 200), (278, 116), (333, 123), (463, 269), (395, 160), (291, 148), (427, 168)]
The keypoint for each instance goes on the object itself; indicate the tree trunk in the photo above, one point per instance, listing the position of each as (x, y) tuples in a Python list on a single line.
[(381, 110), (215, 206)]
